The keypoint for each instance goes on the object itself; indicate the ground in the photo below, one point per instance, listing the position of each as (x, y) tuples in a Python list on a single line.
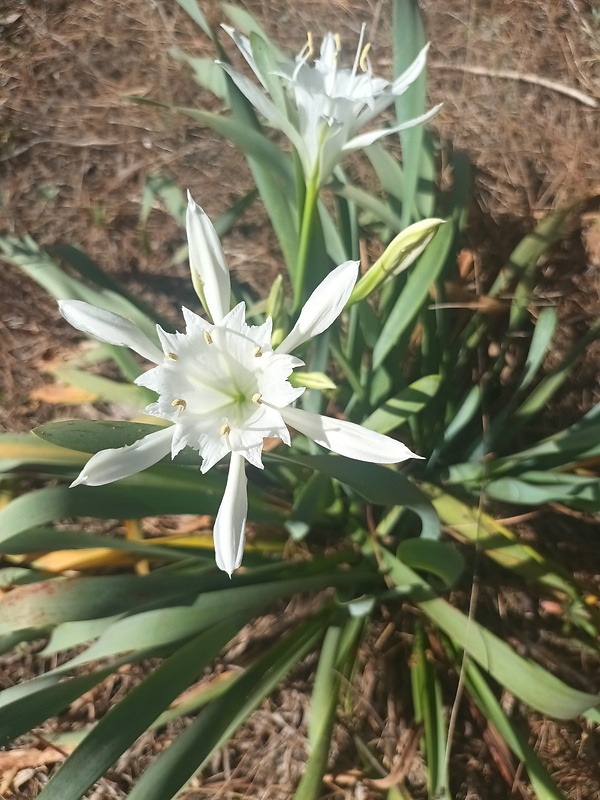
[(74, 155)]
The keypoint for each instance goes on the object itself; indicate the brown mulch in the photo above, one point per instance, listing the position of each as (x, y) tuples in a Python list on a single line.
[(74, 155)]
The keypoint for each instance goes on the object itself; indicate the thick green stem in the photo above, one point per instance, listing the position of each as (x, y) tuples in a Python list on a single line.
[(306, 235)]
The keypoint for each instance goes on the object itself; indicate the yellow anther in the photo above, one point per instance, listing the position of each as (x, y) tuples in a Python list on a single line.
[(310, 44), (179, 402), (363, 57), (257, 352), (208, 338), (257, 398), (172, 356), (224, 430), (338, 42)]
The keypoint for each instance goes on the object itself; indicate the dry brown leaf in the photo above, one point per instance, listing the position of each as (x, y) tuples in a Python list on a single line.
[(62, 395), (27, 757)]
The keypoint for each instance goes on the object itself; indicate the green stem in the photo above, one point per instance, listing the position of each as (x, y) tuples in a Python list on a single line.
[(306, 233)]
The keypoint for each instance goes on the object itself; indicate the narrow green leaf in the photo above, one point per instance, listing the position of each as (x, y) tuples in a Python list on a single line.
[(540, 342), (543, 785), (408, 37), (378, 485), (192, 8), (137, 711), (206, 72), (192, 750), (38, 265), (437, 558), (395, 412), (363, 199), (427, 697), (340, 639), (526, 680)]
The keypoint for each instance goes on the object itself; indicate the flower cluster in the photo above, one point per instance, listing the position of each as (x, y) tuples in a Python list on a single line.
[(223, 387)]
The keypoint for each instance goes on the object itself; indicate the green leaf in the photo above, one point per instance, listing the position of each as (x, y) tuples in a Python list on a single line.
[(429, 710), (408, 37), (540, 342), (574, 490), (46, 604), (50, 697), (38, 265), (248, 140), (339, 642), (157, 491), (363, 199), (436, 558), (194, 748), (206, 71), (543, 785), (192, 8), (105, 389), (22, 450), (137, 711), (377, 484), (395, 412), (526, 680)]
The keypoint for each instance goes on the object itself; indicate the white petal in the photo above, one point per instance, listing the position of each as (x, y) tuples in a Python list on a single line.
[(208, 260), (109, 327), (230, 525), (365, 139), (112, 465), (245, 48), (346, 438), (323, 307), (262, 103), (411, 73)]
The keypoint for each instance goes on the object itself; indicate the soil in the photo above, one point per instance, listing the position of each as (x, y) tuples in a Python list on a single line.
[(74, 155)]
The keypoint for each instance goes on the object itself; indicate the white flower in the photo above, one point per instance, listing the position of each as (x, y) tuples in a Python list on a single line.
[(332, 103), (224, 388)]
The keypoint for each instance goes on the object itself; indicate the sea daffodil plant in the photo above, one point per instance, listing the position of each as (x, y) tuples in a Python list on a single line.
[(224, 388)]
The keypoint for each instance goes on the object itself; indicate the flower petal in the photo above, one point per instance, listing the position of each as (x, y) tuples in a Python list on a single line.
[(109, 327), (262, 103), (245, 48), (230, 525), (208, 260), (346, 438), (112, 465), (323, 307), (365, 139), (411, 73)]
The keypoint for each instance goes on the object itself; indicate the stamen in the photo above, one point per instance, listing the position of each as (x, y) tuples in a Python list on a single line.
[(224, 429), (172, 356), (181, 403), (338, 42), (257, 352), (208, 338), (359, 49), (310, 44), (257, 398), (363, 64)]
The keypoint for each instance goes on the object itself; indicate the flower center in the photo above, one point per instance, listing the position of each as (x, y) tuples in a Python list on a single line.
[(219, 377)]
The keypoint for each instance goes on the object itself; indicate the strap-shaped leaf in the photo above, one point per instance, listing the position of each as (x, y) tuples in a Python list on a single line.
[(525, 679), (137, 711), (215, 724)]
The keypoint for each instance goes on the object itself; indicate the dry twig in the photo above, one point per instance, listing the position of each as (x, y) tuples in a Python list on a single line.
[(526, 77)]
